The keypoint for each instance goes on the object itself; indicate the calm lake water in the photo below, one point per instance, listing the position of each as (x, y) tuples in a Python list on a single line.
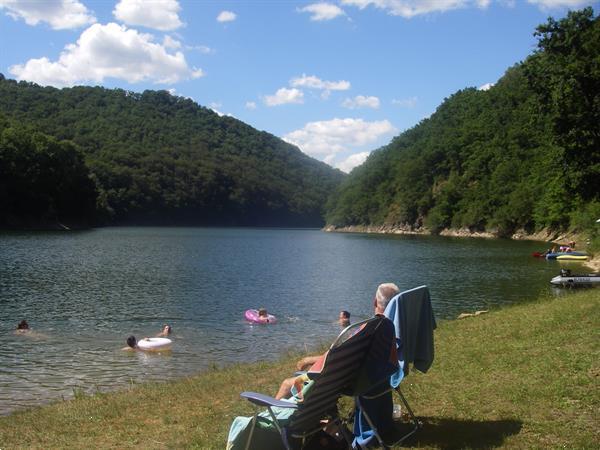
[(83, 293)]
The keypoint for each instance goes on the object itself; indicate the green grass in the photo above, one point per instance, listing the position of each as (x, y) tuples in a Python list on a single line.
[(524, 376)]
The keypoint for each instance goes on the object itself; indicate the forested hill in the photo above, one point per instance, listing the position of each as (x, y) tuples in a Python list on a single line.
[(151, 158), (523, 154)]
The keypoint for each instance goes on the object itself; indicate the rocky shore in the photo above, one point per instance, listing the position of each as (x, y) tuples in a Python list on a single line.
[(543, 235)]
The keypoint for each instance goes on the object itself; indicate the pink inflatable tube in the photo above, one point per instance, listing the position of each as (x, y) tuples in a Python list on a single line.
[(251, 315)]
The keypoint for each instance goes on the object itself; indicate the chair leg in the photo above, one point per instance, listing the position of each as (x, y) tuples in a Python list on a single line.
[(249, 440), (281, 431), (413, 419), (371, 424)]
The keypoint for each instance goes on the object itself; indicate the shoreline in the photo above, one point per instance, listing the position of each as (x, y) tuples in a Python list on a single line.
[(519, 235)]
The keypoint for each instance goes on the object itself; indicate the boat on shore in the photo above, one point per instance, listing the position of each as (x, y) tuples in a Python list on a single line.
[(567, 279), (572, 258), (555, 255)]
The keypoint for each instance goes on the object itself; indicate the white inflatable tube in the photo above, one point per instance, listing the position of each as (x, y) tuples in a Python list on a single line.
[(154, 344)]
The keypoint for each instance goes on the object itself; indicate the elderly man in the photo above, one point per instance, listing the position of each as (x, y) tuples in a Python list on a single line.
[(385, 292)]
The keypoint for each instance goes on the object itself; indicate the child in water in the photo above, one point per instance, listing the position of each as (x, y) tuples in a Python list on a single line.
[(263, 315)]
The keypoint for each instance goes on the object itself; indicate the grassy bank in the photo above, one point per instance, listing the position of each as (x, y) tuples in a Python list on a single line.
[(525, 376)]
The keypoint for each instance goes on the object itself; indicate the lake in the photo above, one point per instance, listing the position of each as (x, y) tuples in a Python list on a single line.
[(84, 292)]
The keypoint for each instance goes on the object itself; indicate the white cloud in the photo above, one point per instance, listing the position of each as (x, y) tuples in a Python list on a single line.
[(226, 16), (108, 51), (352, 161), (216, 108), (60, 14), (405, 102), (360, 101), (485, 86), (201, 48), (412, 8), (169, 42), (313, 82), (555, 4), (283, 96), (158, 14), (326, 138), (250, 105), (322, 11)]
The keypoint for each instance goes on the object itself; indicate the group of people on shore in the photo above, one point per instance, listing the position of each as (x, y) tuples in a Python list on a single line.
[(561, 248)]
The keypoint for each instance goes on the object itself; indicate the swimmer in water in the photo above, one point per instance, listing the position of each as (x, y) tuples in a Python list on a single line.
[(23, 327), (166, 331), (344, 318), (131, 344), (263, 315)]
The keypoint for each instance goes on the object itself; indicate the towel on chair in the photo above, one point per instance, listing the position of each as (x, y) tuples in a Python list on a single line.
[(413, 318)]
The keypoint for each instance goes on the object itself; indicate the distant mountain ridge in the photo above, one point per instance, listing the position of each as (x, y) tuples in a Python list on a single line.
[(160, 159)]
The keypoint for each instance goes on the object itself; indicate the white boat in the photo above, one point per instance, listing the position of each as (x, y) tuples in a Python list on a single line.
[(567, 279)]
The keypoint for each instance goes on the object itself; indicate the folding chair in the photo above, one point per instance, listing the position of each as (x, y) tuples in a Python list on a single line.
[(414, 322), (344, 372)]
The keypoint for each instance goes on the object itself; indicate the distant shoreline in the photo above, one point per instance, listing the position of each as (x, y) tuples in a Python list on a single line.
[(521, 235), (543, 235)]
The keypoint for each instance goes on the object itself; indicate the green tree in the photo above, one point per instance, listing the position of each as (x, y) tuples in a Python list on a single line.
[(565, 73), (42, 180)]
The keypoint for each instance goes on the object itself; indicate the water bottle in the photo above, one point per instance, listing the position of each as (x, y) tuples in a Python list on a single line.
[(397, 412)]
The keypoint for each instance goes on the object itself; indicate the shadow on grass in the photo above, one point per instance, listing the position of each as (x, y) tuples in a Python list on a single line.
[(454, 433)]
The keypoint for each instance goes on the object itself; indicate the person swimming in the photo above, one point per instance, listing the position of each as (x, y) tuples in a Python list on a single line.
[(344, 318), (148, 344), (131, 344), (22, 327), (263, 315), (166, 331)]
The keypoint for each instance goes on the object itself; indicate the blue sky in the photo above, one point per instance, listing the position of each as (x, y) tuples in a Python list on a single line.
[(336, 78)]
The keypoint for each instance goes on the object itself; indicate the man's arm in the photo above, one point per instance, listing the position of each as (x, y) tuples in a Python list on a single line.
[(307, 361)]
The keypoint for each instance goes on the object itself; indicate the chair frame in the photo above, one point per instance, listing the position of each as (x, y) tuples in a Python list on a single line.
[(415, 422), (270, 402)]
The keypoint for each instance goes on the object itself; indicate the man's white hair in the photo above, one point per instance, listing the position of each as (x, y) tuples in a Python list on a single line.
[(384, 294)]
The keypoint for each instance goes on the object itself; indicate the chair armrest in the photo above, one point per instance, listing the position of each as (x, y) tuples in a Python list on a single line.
[(267, 400)]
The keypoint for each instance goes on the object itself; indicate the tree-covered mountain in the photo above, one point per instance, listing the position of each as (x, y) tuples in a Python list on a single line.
[(153, 158), (42, 181), (523, 154)]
